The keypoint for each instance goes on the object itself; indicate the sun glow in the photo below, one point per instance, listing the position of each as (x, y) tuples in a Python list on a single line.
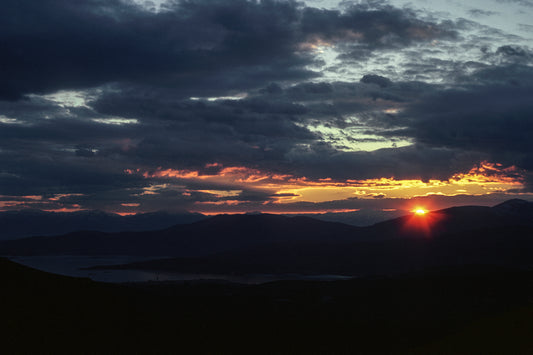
[(419, 211), (423, 223)]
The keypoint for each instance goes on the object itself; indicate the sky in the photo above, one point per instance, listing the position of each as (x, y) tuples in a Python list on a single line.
[(233, 106)]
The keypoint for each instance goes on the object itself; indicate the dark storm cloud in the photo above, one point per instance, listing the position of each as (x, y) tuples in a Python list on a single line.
[(263, 127), (294, 103), (413, 162), (527, 3), (193, 133), (367, 26), (162, 105), (512, 51), (156, 61), (480, 12), (45, 174), (525, 27), (44, 129), (201, 47), (58, 44), (376, 79), (268, 130), (46, 148), (492, 115)]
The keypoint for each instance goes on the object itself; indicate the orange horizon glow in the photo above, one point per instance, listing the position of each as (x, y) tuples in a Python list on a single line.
[(223, 189), (130, 204), (127, 213), (211, 213), (76, 208), (483, 179), (43, 203)]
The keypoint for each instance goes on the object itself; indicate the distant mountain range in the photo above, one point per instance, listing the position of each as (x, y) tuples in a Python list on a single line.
[(263, 243), (27, 223), (211, 235), (15, 224), (361, 218)]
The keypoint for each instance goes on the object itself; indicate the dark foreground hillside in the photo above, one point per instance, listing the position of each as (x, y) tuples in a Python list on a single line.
[(466, 310)]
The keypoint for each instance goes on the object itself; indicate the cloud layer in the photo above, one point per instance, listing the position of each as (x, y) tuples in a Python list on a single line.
[(92, 90)]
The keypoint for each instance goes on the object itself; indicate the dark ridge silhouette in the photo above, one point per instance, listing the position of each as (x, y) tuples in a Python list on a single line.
[(501, 235), (516, 207), (500, 246), (215, 234), (27, 223), (362, 218), (229, 232), (420, 313), (456, 220)]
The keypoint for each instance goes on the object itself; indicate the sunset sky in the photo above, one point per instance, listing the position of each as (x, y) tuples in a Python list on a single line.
[(225, 106)]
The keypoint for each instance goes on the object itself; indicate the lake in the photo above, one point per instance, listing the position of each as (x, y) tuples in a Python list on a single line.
[(72, 265)]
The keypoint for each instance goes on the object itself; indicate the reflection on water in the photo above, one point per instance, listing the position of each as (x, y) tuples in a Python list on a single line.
[(72, 266)]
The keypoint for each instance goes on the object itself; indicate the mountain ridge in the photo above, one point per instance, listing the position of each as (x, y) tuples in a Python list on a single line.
[(198, 238), (455, 219), (14, 224), (228, 232)]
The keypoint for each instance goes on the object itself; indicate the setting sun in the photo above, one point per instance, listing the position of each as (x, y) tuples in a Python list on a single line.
[(420, 211)]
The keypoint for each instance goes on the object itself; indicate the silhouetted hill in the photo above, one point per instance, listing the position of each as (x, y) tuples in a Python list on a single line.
[(230, 232), (455, 220), (211, 235), (512, 247), (501, 235), (416, 313), (516, 207), (361, 218), (27, 223)]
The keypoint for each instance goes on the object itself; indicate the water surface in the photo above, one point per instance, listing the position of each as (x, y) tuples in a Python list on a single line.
[(72, 265)]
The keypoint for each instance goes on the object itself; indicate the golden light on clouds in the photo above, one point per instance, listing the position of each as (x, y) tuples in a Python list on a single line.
[(222, 193), (315, 44), (483, 179), (53, 203), (72, 208), (130, 204)]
